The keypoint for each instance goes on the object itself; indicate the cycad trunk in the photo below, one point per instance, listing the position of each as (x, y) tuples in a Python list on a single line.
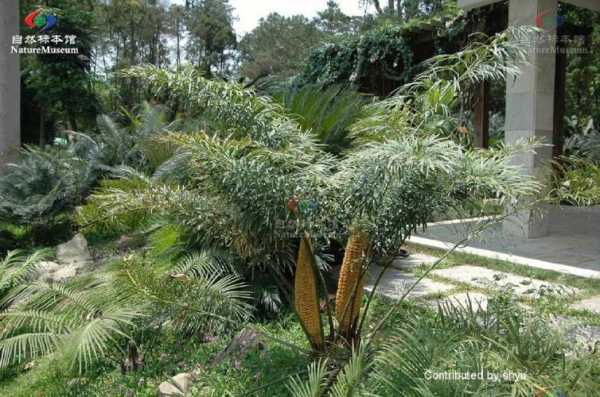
[(306, 296), (350, 285), (10, 82)]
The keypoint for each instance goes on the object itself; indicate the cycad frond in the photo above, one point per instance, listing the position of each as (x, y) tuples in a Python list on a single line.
[(229, 108), (316, 384), (26, 346), (16, 268), (84, 317), (349, 381), (199, 294), (96, 336)]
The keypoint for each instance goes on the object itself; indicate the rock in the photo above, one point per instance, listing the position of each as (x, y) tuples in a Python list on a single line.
[(54, 272), (74, 252), (127, 243), (486, 278), (178, 385), (246, 340), (578, 335)]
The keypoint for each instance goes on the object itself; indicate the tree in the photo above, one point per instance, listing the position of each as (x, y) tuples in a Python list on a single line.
[(278, 45), (406, 9), (10, 128), (332, 20), (59, 87), (211, 35), (176, 28)]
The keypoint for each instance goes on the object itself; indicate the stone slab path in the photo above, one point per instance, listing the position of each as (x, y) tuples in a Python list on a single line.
[(413, 261), (395, 283), (591, 304), (486, 278), (433, 292)]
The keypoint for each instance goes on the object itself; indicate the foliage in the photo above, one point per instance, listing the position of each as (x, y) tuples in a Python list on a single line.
[(367, 62), (582, 92), (45, 183), (407, 9), (333, 22), (461, 339), (198, 295), (454, 341), (327, 113), (434, 102), (578, 183), (82, 320), (225, 108), (60, 86), (210, 26), (86, 319), (583, 141), (16, 270), (278, 46)]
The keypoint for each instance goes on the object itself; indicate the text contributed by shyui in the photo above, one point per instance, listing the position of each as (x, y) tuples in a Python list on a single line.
[(506, 376)]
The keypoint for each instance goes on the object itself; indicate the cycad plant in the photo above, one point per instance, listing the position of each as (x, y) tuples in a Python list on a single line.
[(327, 113), (259, 187), (93, 317), (78, 321)]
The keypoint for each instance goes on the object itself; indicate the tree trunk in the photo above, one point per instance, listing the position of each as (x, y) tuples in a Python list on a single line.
[(178, 41), (378, 6), (10, 83)]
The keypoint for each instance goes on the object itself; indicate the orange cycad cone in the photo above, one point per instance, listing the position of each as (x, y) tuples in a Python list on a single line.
[(306, 296), (347, 301)]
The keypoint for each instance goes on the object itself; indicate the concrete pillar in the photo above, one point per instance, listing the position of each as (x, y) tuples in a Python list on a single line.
[(10, 82), (530, 106)]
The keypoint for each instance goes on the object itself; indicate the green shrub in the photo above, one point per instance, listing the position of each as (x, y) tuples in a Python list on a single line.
[(578, 183), (42, 186)]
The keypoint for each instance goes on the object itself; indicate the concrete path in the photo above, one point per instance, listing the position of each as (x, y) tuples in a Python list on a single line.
[(561, 251)]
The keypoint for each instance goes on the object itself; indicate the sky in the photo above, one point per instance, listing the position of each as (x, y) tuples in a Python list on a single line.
[(248, 12)]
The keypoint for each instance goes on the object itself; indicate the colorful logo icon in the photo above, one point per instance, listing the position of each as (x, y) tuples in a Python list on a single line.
[(549, 20), (41, 19)]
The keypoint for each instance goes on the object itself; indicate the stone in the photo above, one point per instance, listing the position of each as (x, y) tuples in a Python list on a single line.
[(74, 252), (394, 284), (578, 335), (127, 243), (247, 340), (54, 272), (413, 260), (487, 278), (592, 304), (476, 300), (178, 385)]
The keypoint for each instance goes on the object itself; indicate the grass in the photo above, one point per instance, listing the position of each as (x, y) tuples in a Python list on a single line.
[(166, 355)]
